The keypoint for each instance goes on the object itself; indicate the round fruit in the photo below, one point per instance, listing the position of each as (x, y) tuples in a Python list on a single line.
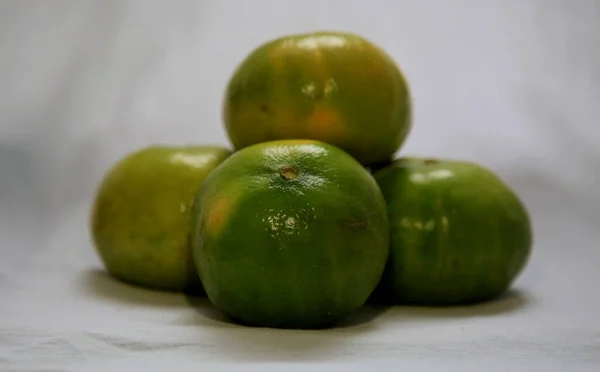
[(290, 234), (330, 86), (459, 234), (140, 217)]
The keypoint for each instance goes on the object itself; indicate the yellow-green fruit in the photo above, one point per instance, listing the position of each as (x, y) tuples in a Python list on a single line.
[(334, 87), (140, 216)]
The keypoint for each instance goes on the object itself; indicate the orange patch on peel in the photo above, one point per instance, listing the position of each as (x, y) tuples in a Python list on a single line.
[(218, 214), (325, 123)]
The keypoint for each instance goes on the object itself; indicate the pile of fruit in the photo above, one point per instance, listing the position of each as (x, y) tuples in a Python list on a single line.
[(310, 216)]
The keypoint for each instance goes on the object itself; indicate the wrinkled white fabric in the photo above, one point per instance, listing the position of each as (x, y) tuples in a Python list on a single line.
[(513, 85)]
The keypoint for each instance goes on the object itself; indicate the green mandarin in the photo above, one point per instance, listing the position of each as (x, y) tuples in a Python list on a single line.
[(290, 234), (459, 234), (334, 87), (141, 212)]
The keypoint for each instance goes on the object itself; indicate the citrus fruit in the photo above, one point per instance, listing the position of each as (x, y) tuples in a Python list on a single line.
[(459, 234), (141, 211), (334, 87), (290, 234)]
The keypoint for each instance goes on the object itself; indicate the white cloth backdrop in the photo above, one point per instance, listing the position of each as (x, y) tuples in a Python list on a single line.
[(514, 85)]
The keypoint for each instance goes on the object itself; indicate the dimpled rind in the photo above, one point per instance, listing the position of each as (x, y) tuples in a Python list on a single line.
[(141, 211), (335, 87), (459, 234), (290, 234)]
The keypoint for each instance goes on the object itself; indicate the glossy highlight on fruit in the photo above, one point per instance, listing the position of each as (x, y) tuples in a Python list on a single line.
[(290, 234), (335, 87), (141, 212), (459, 234)]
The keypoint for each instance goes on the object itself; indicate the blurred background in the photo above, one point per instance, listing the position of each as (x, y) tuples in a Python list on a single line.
[(513, 85)]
